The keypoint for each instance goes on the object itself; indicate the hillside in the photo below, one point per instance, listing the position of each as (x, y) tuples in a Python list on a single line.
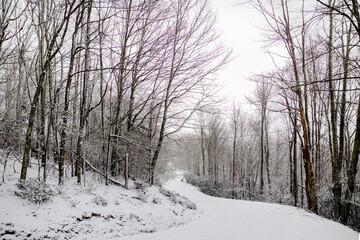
[(95, 211), (175, 211)]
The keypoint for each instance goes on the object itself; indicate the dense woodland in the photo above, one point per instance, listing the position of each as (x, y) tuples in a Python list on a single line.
[(104, 86), (100, 84)]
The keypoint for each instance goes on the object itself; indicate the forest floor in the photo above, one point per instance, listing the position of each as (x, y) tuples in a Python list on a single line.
[(176, 211)]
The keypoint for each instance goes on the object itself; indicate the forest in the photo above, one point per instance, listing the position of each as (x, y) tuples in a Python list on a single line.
[(97, 84), (116, 87), (299, 142)]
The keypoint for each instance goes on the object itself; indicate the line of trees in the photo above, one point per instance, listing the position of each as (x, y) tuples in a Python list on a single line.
[(301, 144), (100, 84)]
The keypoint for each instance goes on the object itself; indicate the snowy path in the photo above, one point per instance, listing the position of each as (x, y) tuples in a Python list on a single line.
[(226, 219)]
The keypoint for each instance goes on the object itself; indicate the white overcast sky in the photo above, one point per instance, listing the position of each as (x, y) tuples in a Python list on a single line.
[(238, 25)]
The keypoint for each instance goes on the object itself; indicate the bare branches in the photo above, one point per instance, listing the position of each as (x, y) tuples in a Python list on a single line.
[(341, 8), (143, 67)]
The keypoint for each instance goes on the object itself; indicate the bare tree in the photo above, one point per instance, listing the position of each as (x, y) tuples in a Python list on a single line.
[(53, 46), (279, 20), (193, 56), (73, 52), (237, 122), (350, 11), (261, 101)]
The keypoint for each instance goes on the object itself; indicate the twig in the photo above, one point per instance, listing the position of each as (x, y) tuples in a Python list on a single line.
[(37, 206)]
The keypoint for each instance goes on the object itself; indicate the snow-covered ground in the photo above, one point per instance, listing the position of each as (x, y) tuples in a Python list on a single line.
[(110, 212), (92, 212), (226, 219)]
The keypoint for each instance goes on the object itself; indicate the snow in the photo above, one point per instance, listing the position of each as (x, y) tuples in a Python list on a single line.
[(234, 219), (111, 212), (92, 212)]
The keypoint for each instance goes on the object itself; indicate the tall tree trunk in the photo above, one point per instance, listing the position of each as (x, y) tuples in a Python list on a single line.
[(29, 130), (43, 149), (102, 105), (309, 176), (346, 53), (295, 181), (333, 124), (234, 157), (108, 148), (262, 153), (69, 78), (75, 120), (291, 165), (156, 154), (83, 104), (203, 148), (267, 152)]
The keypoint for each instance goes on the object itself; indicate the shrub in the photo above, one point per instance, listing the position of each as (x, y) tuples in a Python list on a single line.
[(156, 200), (34, 190), (10, 133), (209, 187), (177, 198), (98, 200)]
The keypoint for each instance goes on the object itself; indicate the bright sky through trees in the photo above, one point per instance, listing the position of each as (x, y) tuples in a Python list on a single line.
[(240, 27)]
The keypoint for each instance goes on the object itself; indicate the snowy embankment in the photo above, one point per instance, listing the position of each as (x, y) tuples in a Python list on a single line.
[(95, 211)]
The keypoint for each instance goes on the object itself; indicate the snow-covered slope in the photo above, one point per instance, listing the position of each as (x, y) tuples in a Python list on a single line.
[(110, 212), (226, 219), (92, 212)]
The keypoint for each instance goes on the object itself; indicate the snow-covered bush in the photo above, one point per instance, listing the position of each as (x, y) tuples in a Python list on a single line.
[(193, 179), (10, 133), (142, 197), (140, 186), (165, 192), (135, 217), (188, 204), (218, 189), (325, 204), (34, 190), (177, 198), (208, 186), (156, 200), (98, 200)]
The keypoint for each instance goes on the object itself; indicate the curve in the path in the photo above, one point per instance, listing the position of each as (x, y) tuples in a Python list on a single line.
[(227, 219)]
